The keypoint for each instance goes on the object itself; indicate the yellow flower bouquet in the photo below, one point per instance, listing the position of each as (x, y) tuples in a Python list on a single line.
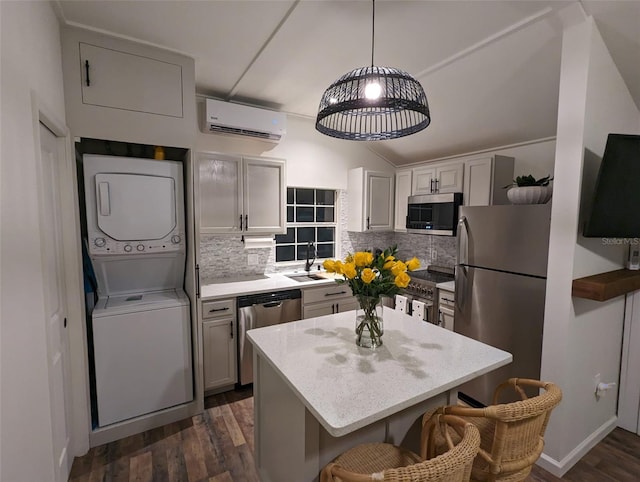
[(371, 276)]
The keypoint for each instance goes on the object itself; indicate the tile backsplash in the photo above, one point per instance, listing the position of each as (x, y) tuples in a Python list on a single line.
[(226, 256)]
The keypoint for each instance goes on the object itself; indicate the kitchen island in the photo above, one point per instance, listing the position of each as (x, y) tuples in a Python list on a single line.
[(316, 393)]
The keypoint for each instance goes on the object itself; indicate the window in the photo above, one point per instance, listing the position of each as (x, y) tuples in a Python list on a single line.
[(311, 217)]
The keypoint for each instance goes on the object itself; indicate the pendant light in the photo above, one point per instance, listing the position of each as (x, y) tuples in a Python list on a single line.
[(373, 103)]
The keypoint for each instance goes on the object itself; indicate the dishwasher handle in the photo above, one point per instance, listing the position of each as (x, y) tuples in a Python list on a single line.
[(272, 304)]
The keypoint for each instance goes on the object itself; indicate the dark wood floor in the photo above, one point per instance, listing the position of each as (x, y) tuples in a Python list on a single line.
[(217, 446)]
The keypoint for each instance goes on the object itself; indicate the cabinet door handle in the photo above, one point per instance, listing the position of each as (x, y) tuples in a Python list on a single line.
[(335, 293), (448, 300), (246, 221), (213, 310), (368, 223), (440, 318), (86, 68), (333, 309), (231, 329), (337, 307), (431, 185), (437, 188), (241, 222)]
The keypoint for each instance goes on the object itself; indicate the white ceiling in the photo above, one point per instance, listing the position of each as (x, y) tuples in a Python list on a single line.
[(490, 68)]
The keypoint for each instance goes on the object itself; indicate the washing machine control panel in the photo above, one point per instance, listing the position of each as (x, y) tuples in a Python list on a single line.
[(102, 245)]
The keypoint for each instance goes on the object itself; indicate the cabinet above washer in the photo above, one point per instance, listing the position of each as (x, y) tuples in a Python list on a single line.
[(125, 91)]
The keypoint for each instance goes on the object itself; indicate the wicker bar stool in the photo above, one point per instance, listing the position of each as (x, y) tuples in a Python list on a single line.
[(512, 433), (386, 462)]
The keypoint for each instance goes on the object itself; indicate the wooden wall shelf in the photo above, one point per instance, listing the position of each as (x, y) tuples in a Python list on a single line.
[(604, 286)]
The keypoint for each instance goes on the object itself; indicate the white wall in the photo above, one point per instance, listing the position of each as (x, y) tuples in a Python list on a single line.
[(31, 61), (582, 337), (313, 159)]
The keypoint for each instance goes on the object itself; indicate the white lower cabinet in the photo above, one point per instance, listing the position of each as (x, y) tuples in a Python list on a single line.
[(446, 307), (327, 300), (219, 343)]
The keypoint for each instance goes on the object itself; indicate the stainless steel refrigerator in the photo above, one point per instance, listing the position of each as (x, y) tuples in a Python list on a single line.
[(500, 287)]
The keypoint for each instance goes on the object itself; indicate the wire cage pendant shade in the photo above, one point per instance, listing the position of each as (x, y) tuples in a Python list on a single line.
[(373, 103), (347, 112)]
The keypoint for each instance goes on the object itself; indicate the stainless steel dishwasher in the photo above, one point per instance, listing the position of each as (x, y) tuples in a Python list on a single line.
[(256, 311)]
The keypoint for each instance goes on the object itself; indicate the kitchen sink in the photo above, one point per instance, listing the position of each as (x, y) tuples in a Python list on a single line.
[(305, 277)]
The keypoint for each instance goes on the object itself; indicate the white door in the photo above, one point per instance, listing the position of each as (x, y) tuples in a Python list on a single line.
[(55, 300), (219, 193), (380, 202), (629, 396), (449, 178), (264, 196)]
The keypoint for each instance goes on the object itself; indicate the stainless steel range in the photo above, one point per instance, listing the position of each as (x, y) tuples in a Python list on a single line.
[(422, 287)]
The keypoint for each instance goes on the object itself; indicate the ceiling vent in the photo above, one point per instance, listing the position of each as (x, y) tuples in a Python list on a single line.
[(228, 118)]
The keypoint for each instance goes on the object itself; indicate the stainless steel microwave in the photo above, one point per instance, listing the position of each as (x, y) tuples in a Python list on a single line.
[(434, 213)]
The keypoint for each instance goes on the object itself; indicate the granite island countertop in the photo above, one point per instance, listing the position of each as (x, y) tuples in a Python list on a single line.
[(347, 387)]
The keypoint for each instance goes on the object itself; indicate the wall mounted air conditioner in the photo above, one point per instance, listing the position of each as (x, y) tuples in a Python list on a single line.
[(229, 118)]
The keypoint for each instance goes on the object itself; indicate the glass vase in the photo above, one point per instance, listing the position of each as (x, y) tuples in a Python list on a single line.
[(369, 326)]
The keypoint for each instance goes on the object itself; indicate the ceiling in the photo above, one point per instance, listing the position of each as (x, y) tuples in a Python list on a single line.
[(490, 69)]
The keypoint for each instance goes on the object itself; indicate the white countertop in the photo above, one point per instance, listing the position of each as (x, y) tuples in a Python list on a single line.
[(347, 387), (447, 285), (231, 287)]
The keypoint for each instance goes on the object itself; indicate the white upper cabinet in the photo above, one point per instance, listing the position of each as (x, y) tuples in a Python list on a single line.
[(370, 195), (438, 178), (125, 91), (240, 195), (121, 80), (264, 196), (403, 191), (485, 178)]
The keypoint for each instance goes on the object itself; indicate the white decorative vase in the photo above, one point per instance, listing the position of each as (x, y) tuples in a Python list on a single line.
[(529, 194)]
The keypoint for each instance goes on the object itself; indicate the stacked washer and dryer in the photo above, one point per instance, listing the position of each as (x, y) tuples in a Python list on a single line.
[(141, 323)]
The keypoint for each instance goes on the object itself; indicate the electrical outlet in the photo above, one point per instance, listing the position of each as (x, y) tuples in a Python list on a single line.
[(252, 259), (434, 254)]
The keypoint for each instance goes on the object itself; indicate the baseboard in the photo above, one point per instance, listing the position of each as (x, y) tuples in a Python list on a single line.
[(559, 468), (120, 430)]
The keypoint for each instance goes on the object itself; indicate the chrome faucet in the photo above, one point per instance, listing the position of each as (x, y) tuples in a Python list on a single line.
[(311, 256)]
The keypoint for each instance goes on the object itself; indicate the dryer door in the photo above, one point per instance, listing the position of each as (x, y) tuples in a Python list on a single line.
[(133, 207)]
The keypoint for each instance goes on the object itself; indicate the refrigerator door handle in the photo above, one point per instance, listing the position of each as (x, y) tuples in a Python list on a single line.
[(461, 268), (462, 223), (460, 286)]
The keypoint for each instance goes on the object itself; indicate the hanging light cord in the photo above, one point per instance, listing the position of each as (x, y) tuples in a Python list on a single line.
[(373, 30)]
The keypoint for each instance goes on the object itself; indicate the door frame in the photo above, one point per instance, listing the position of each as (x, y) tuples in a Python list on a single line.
[(80, 420), (629, 395)]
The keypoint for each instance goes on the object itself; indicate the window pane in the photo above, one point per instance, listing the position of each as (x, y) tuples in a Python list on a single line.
[(285, 253), (306, 234), (325, 196), (326, 234), (304, 196), (290, 237), (289, 214), (290, 193), (304, 215), (301, 251), (325, 250), (324, 215)]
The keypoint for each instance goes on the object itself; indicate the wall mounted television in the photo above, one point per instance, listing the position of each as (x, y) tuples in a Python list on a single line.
[(615, 212)]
